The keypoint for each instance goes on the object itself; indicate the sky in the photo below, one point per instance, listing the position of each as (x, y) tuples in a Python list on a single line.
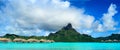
[(98, 18)]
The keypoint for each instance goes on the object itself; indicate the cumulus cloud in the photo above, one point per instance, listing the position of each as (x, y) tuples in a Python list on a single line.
[(108, 22), (33, 17)]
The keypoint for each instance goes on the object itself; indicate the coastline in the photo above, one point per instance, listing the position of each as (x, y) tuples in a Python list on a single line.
[(54, 42), (25, 40)]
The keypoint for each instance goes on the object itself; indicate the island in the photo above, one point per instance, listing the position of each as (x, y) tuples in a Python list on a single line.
[(65, 34)]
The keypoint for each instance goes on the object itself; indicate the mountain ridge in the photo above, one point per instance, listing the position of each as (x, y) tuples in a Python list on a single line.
[(68, 34)]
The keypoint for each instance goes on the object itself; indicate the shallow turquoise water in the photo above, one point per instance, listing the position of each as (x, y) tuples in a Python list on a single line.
[(59, 46)]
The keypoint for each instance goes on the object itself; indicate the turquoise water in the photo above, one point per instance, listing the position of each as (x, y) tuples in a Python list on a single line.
[(59, 46)]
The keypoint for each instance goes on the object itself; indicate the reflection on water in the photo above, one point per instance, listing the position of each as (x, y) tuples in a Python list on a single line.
[(59, 46)]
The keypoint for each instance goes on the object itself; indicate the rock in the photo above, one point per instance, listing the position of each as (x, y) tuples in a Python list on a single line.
[(69, 26)]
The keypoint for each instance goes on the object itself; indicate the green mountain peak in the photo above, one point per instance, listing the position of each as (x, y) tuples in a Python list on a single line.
[(69, 34)]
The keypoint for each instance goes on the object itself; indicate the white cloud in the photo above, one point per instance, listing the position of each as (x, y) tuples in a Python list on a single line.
[(33, 16), (46, 15), (108, 22)]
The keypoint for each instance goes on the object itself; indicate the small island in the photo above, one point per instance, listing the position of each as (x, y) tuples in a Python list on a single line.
[(66, 34)]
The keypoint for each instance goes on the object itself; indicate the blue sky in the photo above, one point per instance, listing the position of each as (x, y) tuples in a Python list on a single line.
[(38, 17), (97, 8)]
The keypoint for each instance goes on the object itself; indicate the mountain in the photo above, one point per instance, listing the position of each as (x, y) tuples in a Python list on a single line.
[(13, 36), (111, 37), (69, 34)]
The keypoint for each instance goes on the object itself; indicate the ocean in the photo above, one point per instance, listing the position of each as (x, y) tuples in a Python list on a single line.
[(59, 46)]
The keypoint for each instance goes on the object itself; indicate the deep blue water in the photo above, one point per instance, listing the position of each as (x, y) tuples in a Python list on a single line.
[(59, 46)]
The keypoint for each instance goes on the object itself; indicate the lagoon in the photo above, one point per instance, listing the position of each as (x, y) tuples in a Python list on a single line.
[(59, 46)]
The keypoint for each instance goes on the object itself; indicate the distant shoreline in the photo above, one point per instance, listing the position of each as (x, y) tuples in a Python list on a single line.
[(59, 42), (25, 40), (29, 39)]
